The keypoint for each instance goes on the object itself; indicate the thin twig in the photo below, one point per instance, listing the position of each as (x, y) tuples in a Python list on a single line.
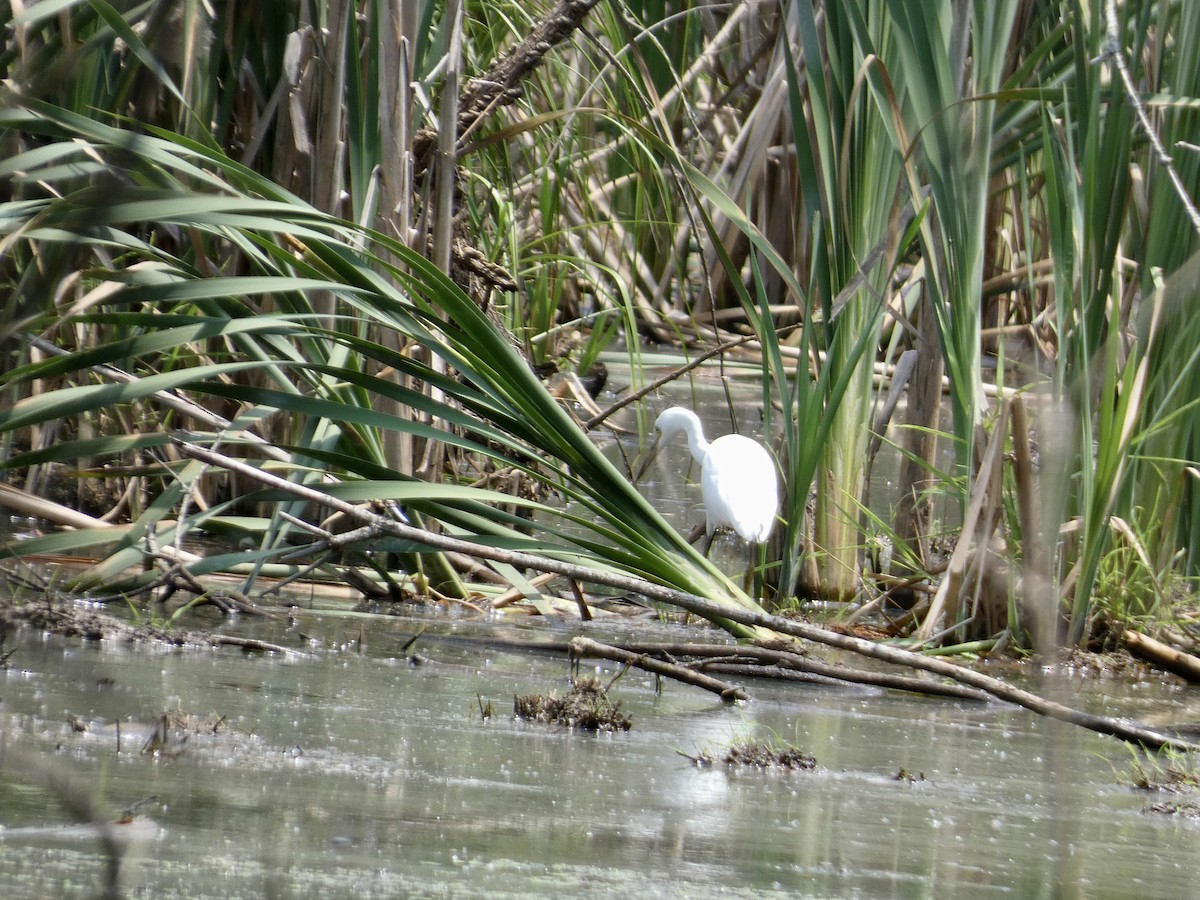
[(673, 375), (1114, 54), (587, 648)]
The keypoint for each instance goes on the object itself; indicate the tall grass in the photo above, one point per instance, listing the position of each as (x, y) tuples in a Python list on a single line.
[(316, 385), (840, 181), (1018, 199)]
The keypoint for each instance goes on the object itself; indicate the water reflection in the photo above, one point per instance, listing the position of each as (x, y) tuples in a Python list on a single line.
[(343, 773)]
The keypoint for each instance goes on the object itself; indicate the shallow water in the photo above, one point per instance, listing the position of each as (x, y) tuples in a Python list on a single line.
[(352, 771), (346, 772)]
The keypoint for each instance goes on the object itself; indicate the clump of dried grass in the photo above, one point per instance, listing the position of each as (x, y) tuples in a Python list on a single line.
[(587, 706)]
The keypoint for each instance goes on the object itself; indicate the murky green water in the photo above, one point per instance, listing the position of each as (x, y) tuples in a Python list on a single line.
[(347, 773), (352, 772)]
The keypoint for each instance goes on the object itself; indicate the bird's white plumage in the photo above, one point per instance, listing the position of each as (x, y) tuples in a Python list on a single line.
[(737, 477)]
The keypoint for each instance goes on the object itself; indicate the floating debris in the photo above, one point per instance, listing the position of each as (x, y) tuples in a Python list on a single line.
[(587, 706), (1183, 808), (173, 730), (760, 754)]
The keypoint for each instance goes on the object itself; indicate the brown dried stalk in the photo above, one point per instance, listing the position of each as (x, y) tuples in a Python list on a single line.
[(501, 84)]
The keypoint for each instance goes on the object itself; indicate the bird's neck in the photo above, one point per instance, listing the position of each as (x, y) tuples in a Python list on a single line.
[(698, 446)]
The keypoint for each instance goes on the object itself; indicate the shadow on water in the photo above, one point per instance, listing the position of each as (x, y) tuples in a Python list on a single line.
[(347, 771)]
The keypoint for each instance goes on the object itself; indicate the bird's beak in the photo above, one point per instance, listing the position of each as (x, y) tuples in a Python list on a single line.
[(651, 453)]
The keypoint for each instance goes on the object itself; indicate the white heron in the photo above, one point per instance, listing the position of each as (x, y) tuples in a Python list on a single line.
[(737, 477)]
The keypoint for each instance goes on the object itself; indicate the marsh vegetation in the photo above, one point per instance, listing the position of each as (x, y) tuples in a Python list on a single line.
[(323, 293), (350, 244)]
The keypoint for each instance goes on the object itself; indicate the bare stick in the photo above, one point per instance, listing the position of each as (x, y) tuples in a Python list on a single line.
[(783, 657), (673, 375), (1115, 55), (1162, 656), (587, 648)]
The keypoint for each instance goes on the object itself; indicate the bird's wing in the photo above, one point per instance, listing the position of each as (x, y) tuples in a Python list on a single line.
[(741, 488)]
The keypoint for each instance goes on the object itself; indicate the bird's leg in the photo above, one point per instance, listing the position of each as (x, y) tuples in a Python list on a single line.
[(751, 568), (695, 533), (708, 542)]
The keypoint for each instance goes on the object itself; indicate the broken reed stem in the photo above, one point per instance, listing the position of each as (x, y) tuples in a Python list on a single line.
[(709, 609), (972, 534)]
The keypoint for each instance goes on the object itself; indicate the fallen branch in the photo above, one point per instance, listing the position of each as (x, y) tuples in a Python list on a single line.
[(769, 672), (1162, 656), (758, 661), (771, 660), (581, 647), (709, 609), (92, 625)]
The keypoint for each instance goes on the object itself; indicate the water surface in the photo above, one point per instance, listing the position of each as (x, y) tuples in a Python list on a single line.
[(348, 770), (352, 771)]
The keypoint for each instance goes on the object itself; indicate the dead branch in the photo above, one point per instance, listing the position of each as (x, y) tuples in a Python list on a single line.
[(1162, 656), (500, 85), (582, 648), (784, 658), (889, 680)]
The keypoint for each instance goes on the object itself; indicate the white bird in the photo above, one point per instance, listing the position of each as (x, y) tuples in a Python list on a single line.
[(737, 477)]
